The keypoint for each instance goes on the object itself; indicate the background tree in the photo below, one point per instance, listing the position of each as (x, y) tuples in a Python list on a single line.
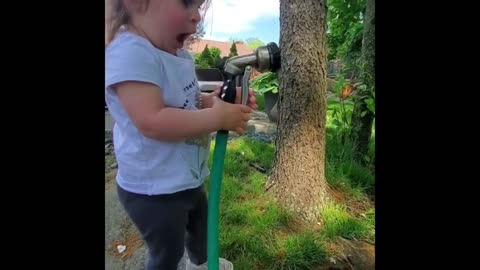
[(204, 59), (233, 50), (215, 54), (364, 109)]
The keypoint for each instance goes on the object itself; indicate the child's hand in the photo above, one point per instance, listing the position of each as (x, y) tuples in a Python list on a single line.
[(252, 101), (232, 117)]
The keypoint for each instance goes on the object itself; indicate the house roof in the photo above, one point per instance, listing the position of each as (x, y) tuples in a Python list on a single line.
[(199, 45)]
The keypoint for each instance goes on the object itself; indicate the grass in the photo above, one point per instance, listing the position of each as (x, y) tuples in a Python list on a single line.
[(256, 233), (342, 171), (338, 222)]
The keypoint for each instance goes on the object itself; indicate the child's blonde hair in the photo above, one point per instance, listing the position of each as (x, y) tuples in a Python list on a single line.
[(117, 15)]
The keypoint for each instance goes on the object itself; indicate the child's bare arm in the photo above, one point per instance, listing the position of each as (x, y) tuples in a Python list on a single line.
[(143, 102)]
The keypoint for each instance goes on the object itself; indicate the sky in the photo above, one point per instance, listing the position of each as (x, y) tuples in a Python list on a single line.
[(242, 19)]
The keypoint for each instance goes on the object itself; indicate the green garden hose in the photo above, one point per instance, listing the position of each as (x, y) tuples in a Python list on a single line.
[(214, 199), (264, 58)]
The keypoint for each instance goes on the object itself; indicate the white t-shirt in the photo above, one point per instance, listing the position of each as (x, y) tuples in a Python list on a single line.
[(145, 165)]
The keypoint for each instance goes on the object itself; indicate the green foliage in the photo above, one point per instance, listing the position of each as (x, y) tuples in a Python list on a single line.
[(342, 171), (201, 62), (215, 54), (254, 43), (257, 233), (338, 222), (341, 110), (209, 58), (345, 30), (367, 94), (265, 82), (233, 50), (305, 250), (260, 101), (244, 150), (370, 100), (204, 59)]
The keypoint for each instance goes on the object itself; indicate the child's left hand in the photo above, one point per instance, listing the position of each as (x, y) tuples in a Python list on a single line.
[(252, 101)]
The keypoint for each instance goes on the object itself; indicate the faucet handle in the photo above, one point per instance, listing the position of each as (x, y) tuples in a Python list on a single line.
[(245, 84)]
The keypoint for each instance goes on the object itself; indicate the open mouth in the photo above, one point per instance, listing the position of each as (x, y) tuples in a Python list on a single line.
[(182, 37)]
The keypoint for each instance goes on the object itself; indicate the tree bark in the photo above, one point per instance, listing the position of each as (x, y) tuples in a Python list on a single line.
[(298, 174), (362, 125)]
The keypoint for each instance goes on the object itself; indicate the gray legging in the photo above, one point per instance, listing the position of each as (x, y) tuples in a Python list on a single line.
[(169, 223)]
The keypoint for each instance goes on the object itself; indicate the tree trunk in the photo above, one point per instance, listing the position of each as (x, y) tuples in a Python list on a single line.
[(298, 174), (362, 125)]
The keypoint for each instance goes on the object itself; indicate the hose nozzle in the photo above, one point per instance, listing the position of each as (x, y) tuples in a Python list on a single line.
[(265, 58)]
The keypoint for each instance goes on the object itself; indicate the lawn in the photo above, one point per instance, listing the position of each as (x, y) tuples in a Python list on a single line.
[(256, 233)]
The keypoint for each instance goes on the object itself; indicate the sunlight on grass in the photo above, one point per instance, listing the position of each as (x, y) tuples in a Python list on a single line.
[(338, 222)]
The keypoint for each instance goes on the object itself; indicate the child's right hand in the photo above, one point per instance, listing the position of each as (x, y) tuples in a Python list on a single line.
[(232, 117)]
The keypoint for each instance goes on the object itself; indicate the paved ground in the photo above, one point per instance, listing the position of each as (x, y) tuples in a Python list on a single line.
[(108, 121), (115, 223)]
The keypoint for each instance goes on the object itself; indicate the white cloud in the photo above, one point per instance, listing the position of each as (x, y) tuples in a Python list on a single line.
[(224, 18)]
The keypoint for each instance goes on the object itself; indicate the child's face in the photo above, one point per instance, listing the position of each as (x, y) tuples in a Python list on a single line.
[(168, 23)]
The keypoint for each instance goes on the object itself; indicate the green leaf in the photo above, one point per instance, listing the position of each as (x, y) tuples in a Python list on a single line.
[(265, 82), (345, 24), (370, 104), (270, 88), (334, 112), (339, 84)]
